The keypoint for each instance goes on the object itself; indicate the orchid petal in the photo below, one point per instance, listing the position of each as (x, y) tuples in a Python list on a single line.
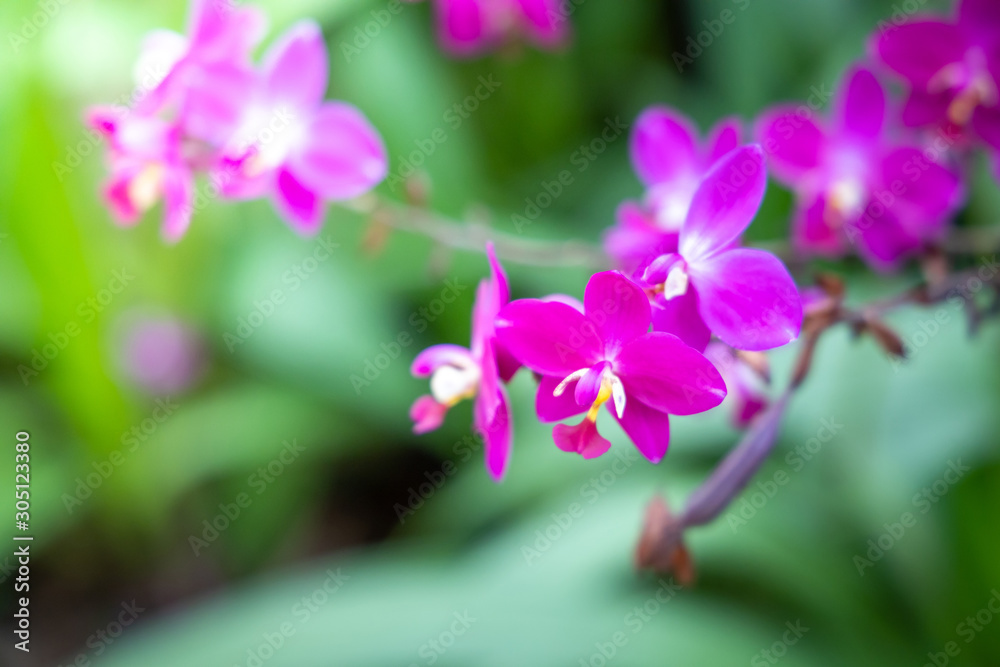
[(812, 232), (679, 316), (550, 338), (882, 240), (427, 414), (295, 67), (635, 237), (748, 299), (986, 122), (436, 356), (647, 427), (722, 139), (343, 156), (932, 189), (793, 141), (725, 203), (552, 408), (462, 26), (297, 203), (918, 50), (496, 432), (660, 370), (861, 103), (980, 21), (545, 20), (617, 307), (582, 438), (178, 191), (663, 146), (922, 108)]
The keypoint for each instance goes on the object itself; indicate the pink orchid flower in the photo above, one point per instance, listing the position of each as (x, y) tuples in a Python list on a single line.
[(293, 146), (853, 184), (207, 74), (671, 164), (471, 27), (952, 68), (606, 355), (477, 372), (744, 296), (146, 166)]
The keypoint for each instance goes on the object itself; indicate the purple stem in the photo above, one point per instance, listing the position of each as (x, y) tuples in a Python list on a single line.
[(737, 469)]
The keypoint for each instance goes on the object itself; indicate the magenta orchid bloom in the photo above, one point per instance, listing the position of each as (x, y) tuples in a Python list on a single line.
[(207, 74), (477, 372), (295, 147), (952, 68), (853, 184), (744, 296), (607, 355), (146, 166), (471, 27), (671, 164)]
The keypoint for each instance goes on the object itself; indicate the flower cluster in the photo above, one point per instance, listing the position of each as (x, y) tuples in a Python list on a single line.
[(636, 345), (256, 130), (689, 312)]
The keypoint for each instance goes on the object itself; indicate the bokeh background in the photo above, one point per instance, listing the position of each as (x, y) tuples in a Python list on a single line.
[(322, 551)]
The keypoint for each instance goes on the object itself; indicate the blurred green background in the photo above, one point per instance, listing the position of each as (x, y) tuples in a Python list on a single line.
[(318, 568)]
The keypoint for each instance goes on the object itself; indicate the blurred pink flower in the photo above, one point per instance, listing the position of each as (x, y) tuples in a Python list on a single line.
[(207, 74), (952, 68), (259, 132), (147, 165), (161, 355), (471, 27), (291, 145), (855, 184), (671, 164)]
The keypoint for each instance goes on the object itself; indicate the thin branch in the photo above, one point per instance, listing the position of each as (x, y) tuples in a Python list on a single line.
[(473, 236)]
